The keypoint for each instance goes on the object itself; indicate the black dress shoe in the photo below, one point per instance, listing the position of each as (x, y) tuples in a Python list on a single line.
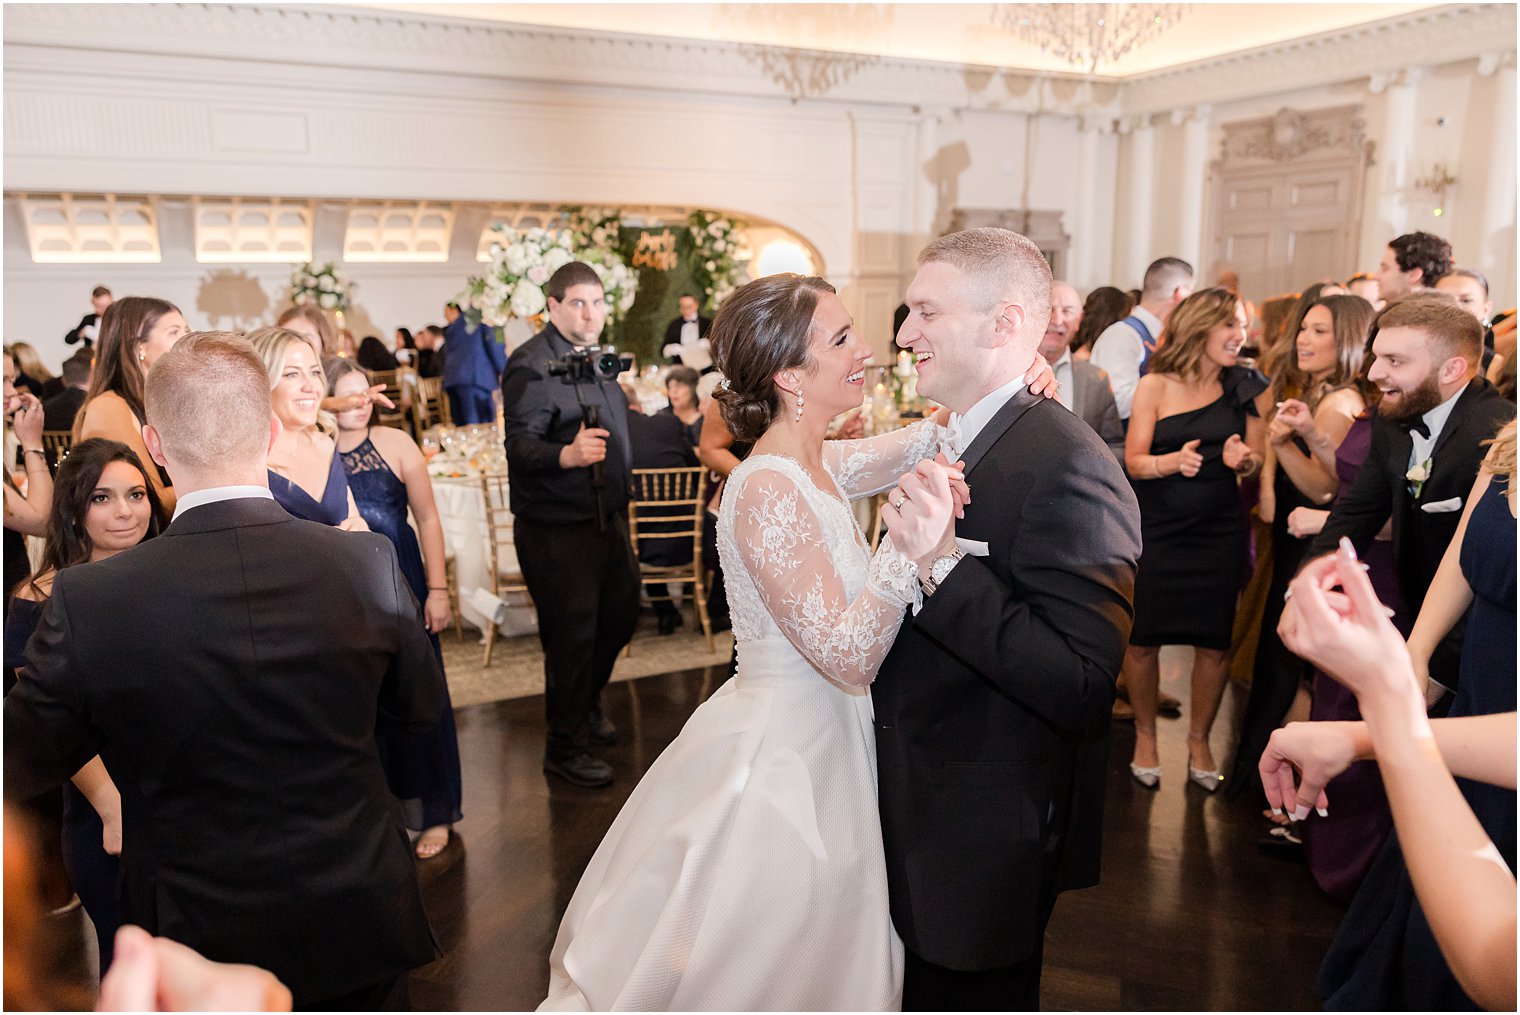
[(600, 729), (669, 622), (580, 769)]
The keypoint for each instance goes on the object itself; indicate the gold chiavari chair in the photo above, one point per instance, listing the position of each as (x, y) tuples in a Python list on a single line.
[(389, 417), (667, 507), (56, 445), (501, 550), (432, 406)]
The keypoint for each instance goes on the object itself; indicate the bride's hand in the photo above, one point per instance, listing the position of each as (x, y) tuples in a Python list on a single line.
[(1041, 379), (920, 512)]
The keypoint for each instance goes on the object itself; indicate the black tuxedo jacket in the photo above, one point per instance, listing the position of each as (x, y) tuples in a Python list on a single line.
[(673, 330), (992, 708), (1420, 536), (77, 334), (230, 673), (542, 415)]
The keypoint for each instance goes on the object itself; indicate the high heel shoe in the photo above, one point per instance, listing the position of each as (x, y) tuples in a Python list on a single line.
[(1206, 780), (1150, 778)]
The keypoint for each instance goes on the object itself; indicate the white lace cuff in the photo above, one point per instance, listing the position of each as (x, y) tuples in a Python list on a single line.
[(893, 576)]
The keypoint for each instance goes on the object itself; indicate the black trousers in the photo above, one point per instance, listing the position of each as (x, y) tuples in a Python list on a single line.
[(928, 987), (390, 994), (585, 586)]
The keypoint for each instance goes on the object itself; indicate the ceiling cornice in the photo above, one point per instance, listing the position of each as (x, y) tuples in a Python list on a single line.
[(360, 38)]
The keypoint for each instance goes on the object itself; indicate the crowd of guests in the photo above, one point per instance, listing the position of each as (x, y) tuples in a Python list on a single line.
[(1374, 415)]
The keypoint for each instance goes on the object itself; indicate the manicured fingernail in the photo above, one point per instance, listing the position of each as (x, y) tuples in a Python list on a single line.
[(1322, 812), (1277, 812), (1347, 548), (1364, 566), (1388, 611), (1301, 812)]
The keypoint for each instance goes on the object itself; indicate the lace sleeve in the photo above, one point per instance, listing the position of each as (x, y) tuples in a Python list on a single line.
[(873, 464), (785, 550)]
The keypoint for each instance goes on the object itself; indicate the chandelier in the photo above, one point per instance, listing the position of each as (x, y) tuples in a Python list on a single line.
[(1086, 35)]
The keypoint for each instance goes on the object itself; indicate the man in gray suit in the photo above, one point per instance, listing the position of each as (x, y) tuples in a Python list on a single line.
[(1084, 387)]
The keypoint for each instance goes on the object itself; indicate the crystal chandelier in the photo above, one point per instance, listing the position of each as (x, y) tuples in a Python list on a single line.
[(1086, 35)]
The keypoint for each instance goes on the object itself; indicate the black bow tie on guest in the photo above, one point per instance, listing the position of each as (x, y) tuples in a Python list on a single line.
[(1417, 426)]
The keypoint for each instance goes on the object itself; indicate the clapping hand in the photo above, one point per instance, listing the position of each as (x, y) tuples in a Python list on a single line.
[(1236, 454), (1040, 379), (920, 512), (1189, 461), (1292, 419)]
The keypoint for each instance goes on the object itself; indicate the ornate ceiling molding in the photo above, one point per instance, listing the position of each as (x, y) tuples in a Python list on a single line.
[(335, 37), (1376, 50)]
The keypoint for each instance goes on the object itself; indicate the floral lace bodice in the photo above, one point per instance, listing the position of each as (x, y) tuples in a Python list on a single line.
[(795, 561)]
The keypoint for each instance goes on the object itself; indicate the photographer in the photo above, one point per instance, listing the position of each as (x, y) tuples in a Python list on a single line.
[(569, 494)]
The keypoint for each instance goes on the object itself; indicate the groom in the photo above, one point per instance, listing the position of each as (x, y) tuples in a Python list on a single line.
[(992, 707)]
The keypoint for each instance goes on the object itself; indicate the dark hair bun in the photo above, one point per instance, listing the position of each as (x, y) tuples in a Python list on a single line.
[(747, 416)]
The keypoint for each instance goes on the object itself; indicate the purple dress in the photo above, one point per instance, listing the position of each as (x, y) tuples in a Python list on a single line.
[(1340, 848)]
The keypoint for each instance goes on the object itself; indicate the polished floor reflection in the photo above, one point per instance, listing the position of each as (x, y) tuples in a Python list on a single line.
[(1189, 916)]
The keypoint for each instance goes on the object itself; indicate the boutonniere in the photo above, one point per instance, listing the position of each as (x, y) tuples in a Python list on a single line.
[(1417, 475)]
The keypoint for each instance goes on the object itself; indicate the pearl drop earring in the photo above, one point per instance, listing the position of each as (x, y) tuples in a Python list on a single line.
[(799, 407)]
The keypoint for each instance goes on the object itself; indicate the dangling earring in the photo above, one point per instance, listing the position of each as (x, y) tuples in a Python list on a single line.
[(798, 418)]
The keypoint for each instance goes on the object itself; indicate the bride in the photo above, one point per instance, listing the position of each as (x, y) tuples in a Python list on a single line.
[(745, 871)]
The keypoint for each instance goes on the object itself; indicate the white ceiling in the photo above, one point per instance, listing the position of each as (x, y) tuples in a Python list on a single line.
[(951, 33)]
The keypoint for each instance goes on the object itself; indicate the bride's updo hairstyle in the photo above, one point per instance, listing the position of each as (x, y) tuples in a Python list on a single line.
[(763, 328)]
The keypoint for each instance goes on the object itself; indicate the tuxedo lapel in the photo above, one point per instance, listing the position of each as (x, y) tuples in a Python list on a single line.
[(1460, 414), (998, 425)]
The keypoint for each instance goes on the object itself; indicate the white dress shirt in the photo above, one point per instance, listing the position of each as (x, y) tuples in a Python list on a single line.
[(963, 429), (1435, 419), (1120, 350), (213, 494), (690, 332)]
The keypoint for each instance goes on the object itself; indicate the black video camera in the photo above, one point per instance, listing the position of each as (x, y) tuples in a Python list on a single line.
[(588, 364)]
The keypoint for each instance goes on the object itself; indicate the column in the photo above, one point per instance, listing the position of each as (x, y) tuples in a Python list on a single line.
[(1496, 223), (1138, 202), (1195, 159), (1396, 153), (1092, 244)]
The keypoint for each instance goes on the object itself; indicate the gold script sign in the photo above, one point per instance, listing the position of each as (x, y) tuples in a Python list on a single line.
[(656, 250)]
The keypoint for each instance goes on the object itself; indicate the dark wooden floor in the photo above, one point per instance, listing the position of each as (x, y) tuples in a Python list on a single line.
[(1189, 915)]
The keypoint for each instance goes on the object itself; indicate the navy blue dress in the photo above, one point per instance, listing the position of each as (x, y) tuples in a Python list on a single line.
[(332, 509), (1385, 956), (422, 768), (93, 871)]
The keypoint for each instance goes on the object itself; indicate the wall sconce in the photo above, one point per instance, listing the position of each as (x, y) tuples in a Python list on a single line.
[(1436, 182)]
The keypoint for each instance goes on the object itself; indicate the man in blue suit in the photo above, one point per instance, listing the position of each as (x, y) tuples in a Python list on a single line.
[(470, 372)]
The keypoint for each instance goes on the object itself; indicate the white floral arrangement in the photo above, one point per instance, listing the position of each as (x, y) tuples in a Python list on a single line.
[(595, 228), (715, 266), (320, 287), (522, 261)]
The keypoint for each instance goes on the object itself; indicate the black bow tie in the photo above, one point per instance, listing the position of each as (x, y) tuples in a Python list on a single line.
[(1417, 426)]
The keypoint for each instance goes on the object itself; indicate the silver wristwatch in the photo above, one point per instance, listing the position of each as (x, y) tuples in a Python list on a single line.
[(940, 570)]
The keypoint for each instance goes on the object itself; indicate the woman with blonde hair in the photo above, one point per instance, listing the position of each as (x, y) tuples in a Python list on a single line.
[(34, 374), (305, 473), (1193, 431), (134, 332)]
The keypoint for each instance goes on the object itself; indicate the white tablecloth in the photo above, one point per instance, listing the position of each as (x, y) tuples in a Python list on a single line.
[(462, 510)]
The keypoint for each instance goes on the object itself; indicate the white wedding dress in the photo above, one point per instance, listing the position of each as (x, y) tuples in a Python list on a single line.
[(746, 870)]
